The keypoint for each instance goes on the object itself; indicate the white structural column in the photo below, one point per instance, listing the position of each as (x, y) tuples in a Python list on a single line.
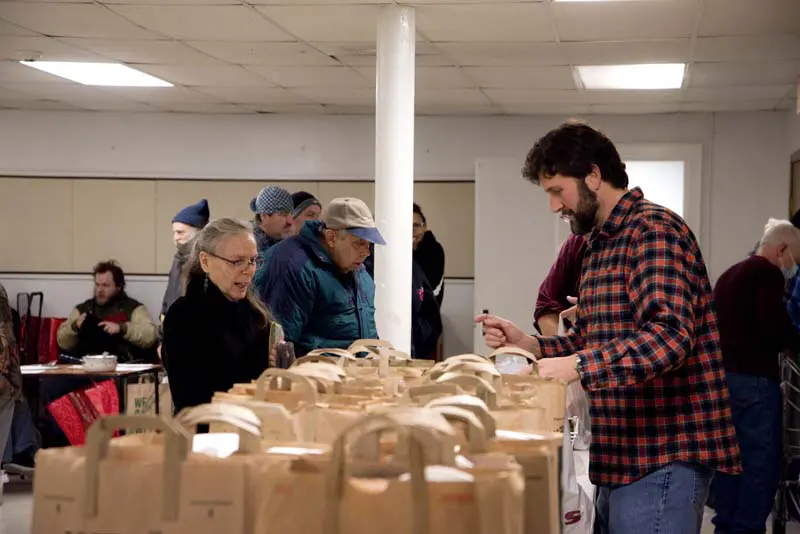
[(394, 173)]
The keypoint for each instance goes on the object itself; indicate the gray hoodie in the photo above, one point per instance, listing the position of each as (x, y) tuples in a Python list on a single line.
[(175, 287)]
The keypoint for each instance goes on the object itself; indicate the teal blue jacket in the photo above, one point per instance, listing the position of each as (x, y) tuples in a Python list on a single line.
[(317, 304)]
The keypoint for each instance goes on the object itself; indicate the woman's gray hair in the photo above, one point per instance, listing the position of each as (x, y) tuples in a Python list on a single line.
[(208, 240)]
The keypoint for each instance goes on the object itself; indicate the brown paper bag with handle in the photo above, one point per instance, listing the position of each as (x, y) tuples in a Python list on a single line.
[(105, 487), (346, 496)]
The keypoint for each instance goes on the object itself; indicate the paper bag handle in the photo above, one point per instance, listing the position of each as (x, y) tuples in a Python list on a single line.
[(268, 378), (176, 448), (335, 479), (483, 389), (519, 352), (431, 389), (467, 357), (311, 358), (474, 405), (477, 441), (240, 417), (341, 353)]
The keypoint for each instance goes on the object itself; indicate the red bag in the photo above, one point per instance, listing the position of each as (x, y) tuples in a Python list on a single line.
[(75, 412), (48, 342)]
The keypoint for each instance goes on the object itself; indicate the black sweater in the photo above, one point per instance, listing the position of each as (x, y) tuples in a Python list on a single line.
[(754, 325), (211, 343)]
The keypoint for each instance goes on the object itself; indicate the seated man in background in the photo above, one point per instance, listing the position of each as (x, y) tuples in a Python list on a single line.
[(273, 209), (561, 282), (110, 321), (754, 328), (315, 283)]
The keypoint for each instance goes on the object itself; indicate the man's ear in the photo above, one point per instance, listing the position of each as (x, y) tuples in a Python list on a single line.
[(594, 179)]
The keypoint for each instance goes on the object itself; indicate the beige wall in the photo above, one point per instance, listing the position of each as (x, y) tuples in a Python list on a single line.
[(67, 225)]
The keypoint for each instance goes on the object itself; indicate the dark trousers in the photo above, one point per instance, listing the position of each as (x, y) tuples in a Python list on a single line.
[(744, 502)]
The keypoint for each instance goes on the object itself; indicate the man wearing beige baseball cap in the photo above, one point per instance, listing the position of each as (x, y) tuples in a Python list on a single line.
[(315, 283)]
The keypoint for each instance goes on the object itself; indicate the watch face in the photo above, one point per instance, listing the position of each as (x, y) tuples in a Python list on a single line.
[(512, 364)]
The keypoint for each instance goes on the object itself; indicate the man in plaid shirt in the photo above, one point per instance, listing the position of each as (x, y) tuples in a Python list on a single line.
[(645, 344)]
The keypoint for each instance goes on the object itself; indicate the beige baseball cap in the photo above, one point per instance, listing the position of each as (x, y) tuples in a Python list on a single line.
[(353, 215)]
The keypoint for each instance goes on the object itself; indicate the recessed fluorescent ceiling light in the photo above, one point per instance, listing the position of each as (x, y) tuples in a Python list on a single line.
[(108, 74), (653, 76)]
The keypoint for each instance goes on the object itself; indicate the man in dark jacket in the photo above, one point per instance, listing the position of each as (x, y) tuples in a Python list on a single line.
[(185, 226), (273, 208), (428, 253), (315, 283)]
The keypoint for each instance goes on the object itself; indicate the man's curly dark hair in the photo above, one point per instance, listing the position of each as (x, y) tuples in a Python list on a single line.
[(111, 266), (571, 150)]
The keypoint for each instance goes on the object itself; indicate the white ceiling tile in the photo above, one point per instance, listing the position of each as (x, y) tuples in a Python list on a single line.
[(348, 23), (220, 76), (342, 3), (11, 71), (339, 96), (109, 104), (629, 109), (627, 53), (451, 97), (291, 109), (431, 77), (567, 111), (7, 93), (350, 109), (760, 48), (314, 76), (161, 52), (455, 109), (7, 28), (625, 21), (162, 2), (633, 97), (504, 54), (748, 74), (364, 53), (163, 95), (531, 77), (744, 105), (204, 23), (21, 47), (260, 53), (505, 97), (749, 17), (41, 105), (254, 95), (219, 109), (72, 20), (57, 91), (726, 94), (485, 22)]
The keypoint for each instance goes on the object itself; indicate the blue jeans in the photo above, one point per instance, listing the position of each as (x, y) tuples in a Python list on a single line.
[(744, 502), (667, 501)]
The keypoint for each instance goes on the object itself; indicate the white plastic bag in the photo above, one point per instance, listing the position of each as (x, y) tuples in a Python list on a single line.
[(577, 506), (580, 423)]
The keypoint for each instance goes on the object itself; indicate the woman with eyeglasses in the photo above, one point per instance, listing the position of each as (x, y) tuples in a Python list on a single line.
[(217, 334)]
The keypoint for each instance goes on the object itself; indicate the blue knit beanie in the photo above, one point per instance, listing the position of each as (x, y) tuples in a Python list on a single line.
[(195, 215), (272, 199)]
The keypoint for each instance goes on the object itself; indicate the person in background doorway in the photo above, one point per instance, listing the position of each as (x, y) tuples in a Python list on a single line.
[(110, 321), (306, 208), (273, 209), (754, 329), (644, 345), (185, 226), (316, 284), (561, 282), (428, 253), (217, 334)]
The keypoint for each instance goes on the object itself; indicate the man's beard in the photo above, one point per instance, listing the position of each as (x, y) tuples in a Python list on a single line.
[(583, 220)]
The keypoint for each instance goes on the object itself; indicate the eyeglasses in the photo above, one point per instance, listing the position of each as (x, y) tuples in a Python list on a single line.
[(242, 264)]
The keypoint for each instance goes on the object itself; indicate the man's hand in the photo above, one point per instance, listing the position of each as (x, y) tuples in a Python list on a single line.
[(565, 368), (79, 321), (110, 327), (498, 332), (569, 313)]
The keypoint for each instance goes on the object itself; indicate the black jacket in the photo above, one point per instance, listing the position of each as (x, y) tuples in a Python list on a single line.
[(429, 254), (211, 343)]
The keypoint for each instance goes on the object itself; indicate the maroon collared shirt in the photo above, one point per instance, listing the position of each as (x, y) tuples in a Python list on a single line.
[(648, 348), (563, 279)]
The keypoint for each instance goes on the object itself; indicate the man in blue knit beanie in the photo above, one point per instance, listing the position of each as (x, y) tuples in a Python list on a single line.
[(185, 226)]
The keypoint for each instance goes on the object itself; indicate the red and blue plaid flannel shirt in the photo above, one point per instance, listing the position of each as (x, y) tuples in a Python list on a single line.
[(648, 348)]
